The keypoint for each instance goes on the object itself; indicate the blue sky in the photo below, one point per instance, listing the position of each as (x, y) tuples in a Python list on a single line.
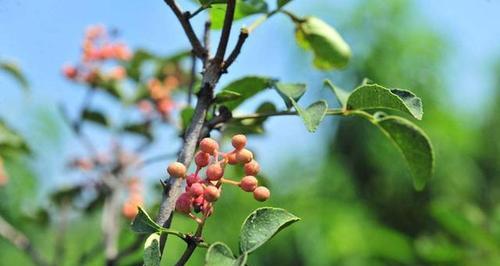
[(43, 35)]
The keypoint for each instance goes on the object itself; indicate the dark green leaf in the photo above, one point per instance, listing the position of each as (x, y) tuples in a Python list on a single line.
[(329, 48), (282, 3), (290, 91), (143, 224), (209, 2), (251, 126), (262, 225), (134, 65), (226, 96), (111, 87), (219, 254), (186, 116), (243, 9), (13, 70), (373, 96), (66, 195), (10, 139), (142, 129), (95, 117), (413, 143), (247, 87), (313, 114), (341, 94), (152, 250)]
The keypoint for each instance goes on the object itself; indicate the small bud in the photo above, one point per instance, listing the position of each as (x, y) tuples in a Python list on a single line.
[(249, 183), (211, 193), (244, 156), (239, 141), (176, 169), (183, 203), (196, 190), (202, 159), (191, 179), (214, 172), (231, 158), (209, 145), (261, 193), (252, 168)]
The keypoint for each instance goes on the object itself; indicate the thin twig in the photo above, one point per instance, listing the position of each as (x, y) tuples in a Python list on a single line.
[(237, 49), (191, 246), (188, 28), (20, 241), (331, 111), (226, 31), (197, 11)]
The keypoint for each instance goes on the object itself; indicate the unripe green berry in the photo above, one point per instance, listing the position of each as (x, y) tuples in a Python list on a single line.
[(196, 190), (249, 183), (244, 156), (252, 168), (211, 193), (214, 172), (177, 169), (209, 145), (202, 159), (261, 193), (239, 141)]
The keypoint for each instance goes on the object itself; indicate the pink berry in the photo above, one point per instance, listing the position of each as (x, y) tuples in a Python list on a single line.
[(249, 183), (231, 158), (70, 72), (202, 159), (191, 179), (244, 156), (176, 169), (261, 193), (211, 193), (214, 172), (183, 203), (196, 190), (239, 141), (209, 145), (252, 168)]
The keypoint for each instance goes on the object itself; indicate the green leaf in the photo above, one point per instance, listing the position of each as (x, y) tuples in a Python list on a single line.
[(290, 91), (209, 2), (313, 114), (219, 254), (142, 129), (247, 87), (143, 224), (95, 117), (13, 70), (261, 225), (12, 140), (135, 63), (413, 143), (186, 117), (329, 48), (226, 96), (250, 126), (341, 94), (152, 250), (243, 9), (282, 3), (373, 96)]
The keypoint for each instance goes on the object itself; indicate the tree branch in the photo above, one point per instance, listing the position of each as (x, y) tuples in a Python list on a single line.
[(236, 51), (226, 31), (20, 241), (188, 28), (191, 246)]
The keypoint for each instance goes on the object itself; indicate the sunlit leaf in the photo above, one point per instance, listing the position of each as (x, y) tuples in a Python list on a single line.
[(313, 114), (341, 94), (219, 254), (152, 250), (143, 224), (226, 96), (243, 9), (289, 91), (247, 87)]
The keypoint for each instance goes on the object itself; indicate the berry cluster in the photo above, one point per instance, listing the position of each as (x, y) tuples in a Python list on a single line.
[(97, 48), (135, 199), (201, 193)]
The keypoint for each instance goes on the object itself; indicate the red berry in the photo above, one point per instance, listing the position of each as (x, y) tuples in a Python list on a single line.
[(70, 72), (129, 210), (176, 169), (239, 141), (252, 168), (244, 156), (196, 190), (214, 172), (249, 183), (261, 193), (202, 159), (231, 158), (183, 203), (211, 193), (209, 145), (191, 179)]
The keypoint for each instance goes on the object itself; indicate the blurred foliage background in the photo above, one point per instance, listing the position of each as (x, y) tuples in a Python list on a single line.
[(358, 207)]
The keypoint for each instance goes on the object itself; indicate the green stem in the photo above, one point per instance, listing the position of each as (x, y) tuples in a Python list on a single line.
[(331, 111)]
